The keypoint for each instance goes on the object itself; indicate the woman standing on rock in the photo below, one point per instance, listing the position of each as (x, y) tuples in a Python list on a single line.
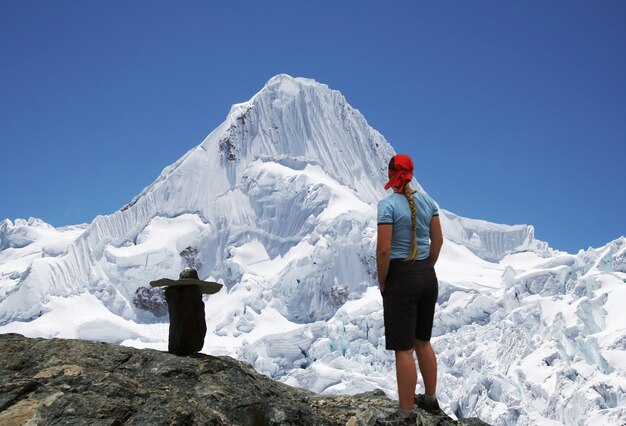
[(409, 242)]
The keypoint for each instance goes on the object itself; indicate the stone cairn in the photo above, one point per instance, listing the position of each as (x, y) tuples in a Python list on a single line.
[(186, 309)]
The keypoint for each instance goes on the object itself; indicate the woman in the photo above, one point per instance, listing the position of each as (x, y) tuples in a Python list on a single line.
[(405, 258)]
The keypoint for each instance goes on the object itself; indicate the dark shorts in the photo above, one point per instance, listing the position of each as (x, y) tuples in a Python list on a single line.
[(409, 302)]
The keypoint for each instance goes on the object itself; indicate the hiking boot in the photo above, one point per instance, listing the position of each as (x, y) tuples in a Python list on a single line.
[(428, 404), (397, 419)]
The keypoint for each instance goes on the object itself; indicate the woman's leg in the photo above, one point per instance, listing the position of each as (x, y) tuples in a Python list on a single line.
[(428, 365), (406, 375)]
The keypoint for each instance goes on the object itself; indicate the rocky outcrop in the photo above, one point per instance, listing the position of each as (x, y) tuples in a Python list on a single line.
[(151, 299), (84, 383)]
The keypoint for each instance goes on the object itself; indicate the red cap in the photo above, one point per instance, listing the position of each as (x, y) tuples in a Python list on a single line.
[(402, 167)]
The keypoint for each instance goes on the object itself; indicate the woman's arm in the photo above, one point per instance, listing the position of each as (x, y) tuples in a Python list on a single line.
[(436, 239), (383, 253)]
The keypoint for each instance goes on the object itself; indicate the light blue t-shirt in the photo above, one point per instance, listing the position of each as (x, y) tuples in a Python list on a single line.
[(394, 210)]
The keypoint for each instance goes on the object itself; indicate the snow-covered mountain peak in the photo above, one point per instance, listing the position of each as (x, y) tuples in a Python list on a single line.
[(302, 120), (286, 86), (286, 172), (293, 174)]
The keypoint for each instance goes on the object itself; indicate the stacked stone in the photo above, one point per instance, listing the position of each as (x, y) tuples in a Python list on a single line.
[(186, 310)]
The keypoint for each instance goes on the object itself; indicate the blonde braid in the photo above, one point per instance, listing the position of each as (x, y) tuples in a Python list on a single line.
[(414, 251)]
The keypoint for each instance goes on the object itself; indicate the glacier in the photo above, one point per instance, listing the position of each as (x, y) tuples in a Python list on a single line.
[(279, 203)]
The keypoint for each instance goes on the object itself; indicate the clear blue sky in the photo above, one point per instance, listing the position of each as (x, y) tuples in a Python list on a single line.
[(514, 111)]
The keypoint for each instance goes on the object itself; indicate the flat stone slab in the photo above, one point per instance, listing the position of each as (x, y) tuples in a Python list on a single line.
[(206, 287)]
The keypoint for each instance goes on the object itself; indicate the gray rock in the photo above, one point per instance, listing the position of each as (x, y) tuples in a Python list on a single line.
[(87, 383), (190, 258), (151, 299)]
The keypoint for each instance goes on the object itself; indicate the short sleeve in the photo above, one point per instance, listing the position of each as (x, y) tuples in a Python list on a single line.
[(385, 213), (434, 207)]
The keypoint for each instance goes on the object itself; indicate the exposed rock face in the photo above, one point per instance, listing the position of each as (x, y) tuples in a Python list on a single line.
[(85, 383), (190, 258), (151, 299)]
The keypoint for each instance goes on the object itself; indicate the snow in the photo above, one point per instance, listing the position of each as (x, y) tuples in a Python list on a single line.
[(522, 261), (278, 203), (458, 264), (23, 241), (153, 243), (78, 317)]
